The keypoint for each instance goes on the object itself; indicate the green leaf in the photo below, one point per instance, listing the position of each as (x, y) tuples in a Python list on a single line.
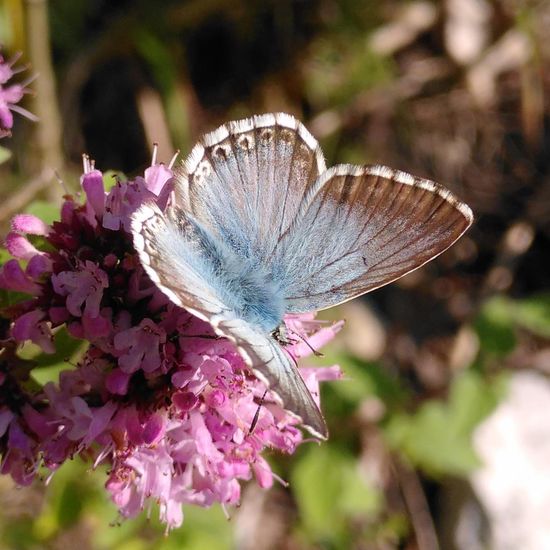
[(49, 366), (438, 436), (330, 492), (533, 314), (5, 154), (48, 212), (494, 327), (110, 177)]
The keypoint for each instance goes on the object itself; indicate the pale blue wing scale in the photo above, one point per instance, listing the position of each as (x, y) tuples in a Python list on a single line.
[(360, 228), (196, 274)]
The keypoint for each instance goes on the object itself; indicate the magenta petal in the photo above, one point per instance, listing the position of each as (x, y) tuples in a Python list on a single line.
[(263, 473), (156, 177), (58, 315), (215, 399), (75, 329), (185, 401), (6, 119), (67, 211), (133, 427), (12, 277), (323, 374), (27, 223), (13, 94), (92, 183), (117, 382), (82, 287), (6, 416), (31, 327), (96, 327), (38, 265), (38, 423), (100, 419), (20, 247), (153, 429)]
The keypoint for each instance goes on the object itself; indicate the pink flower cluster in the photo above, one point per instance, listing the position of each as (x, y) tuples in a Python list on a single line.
[(10, 95), (157, 395)]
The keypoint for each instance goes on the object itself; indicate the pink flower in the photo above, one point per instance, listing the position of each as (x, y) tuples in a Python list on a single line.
[(84, 287), (10, 96), (33, 326), (140, 347)]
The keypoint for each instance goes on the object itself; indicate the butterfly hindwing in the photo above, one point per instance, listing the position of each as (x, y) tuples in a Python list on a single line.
[(361, 228), (179, 261), (277, 370)]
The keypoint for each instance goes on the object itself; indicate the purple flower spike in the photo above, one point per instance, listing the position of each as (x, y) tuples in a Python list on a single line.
[(140, 347), (158, 396), (117, 382), (82, 287), (10, 96)]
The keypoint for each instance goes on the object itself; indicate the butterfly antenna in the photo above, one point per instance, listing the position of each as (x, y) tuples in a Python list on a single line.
[(257, 414), (315, 352), (173, 161)]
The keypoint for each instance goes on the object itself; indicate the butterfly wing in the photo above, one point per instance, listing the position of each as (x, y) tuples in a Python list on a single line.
[(245, 180), (273, 366), (360, 228), (174, 255)]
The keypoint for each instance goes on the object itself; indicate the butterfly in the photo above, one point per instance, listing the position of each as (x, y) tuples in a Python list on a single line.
[(257, 227)]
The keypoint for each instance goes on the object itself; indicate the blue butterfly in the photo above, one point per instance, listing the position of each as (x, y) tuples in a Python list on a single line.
[(258, 227)]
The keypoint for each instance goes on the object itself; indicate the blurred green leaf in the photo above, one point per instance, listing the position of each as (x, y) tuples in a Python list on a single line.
[(158, 55), (4, 256), (68, 351), (46, 211), (534, 314), (500, 315), (494, 327), (437, 437), (330, 492), (110, 178), (362, 379), (9, 297), (5, 154)]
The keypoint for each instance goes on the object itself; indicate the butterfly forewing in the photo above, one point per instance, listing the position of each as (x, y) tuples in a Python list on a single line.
[(246, 180), (361, 228)]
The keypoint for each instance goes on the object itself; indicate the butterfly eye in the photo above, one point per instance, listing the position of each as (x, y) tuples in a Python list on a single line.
[(245, 142), (203, 171), (266, 135), (286, 135), (221, 152)]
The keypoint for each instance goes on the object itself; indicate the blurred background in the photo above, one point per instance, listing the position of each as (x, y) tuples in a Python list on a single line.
[(440, 433)]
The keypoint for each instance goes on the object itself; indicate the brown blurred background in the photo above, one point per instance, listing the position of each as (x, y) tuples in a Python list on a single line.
[(455, 91)]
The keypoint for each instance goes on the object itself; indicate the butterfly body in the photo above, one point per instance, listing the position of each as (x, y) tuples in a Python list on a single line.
[(246, 286), (258, 228)]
